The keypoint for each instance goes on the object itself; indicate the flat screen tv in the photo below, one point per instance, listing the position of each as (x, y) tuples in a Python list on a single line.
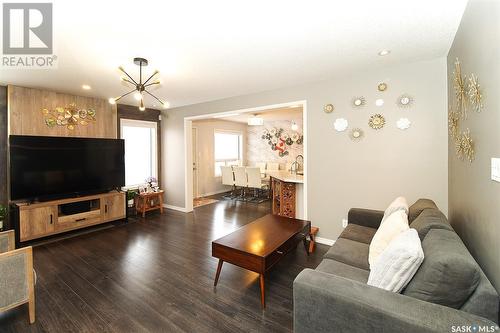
[(45, 168)]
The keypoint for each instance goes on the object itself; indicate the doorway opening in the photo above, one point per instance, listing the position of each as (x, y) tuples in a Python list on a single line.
[(270, 136)]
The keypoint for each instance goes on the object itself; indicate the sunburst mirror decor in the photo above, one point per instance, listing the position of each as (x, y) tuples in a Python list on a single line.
[(356, 134), (376, 121), (382, 86), (358, 101), (475, 95), (140, 86), (453, 122), (459, 84), (328, 108), (69, 116), (404, 101), (465, 146)]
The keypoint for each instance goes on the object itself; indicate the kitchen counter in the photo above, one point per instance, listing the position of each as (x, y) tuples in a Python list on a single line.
[(286, 176)]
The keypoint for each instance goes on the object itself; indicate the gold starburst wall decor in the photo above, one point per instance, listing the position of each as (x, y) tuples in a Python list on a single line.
[(453, 119), (465, 146), (475, 95), (460, 90)]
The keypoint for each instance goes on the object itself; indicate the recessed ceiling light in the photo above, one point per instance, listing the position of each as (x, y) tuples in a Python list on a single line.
[(226, 115), (379, 102), (384, 52), (86, 87)]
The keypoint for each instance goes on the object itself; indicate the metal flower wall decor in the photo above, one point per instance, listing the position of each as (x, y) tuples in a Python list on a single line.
[(69, 116), (278, 139), (460, 90), (467, 94), (465, 146), (474, 92), (453, 119)]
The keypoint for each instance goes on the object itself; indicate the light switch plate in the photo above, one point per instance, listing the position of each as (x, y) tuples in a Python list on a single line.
[(344, 223), (495, 169)]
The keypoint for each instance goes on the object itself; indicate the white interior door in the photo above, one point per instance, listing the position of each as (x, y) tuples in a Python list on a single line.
[(195, 162)]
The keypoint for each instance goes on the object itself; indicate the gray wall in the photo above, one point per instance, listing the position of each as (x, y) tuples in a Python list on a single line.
[(342, 173), (474, 208)]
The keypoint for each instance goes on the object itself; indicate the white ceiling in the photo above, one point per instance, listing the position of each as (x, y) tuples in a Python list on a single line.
[(207, 50)]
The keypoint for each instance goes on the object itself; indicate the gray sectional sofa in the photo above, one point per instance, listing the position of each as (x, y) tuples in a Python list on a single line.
[(449, 292)]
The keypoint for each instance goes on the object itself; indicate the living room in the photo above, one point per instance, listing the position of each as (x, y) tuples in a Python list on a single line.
[(390, 225)]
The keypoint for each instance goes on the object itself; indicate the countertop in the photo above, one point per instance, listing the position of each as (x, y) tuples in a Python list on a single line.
[(286, 176)]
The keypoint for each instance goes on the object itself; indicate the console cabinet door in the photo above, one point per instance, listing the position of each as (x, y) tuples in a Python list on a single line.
[(36, 222), (114, 207)]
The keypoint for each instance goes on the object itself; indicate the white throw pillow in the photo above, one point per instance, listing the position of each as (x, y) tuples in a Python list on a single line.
[(393, 225), (397, 264), (399, 203)]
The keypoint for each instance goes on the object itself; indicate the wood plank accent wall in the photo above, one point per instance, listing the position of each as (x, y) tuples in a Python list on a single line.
[(26, 117), (3, 145), (133, 112)]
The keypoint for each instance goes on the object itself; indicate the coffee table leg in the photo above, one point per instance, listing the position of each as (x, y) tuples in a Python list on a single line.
[(305, 245), (262, 294), (219, 267)]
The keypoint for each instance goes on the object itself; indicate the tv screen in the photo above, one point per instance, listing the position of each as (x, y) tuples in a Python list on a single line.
[(46, 168)]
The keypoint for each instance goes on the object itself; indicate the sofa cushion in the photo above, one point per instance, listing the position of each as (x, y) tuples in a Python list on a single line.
[(430, 218), (399, 203), (358, 233), (398, 263), (338, 268), (448, 275), (395, 224), (417, 208), (349, 252)]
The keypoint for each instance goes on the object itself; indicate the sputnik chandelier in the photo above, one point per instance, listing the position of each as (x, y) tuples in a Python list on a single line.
[(140, 88)]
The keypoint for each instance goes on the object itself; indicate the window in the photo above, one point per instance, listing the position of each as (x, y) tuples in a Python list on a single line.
[(141, 159), (227, 149)]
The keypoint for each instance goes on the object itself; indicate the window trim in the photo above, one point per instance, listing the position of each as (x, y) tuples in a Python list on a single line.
[(240, 148), (154, 150)]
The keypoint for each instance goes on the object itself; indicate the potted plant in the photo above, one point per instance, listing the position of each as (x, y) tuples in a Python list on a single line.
[(3, 215), (130, 198)]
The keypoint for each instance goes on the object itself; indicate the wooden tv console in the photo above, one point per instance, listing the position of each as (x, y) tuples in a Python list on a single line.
[(43, 219)]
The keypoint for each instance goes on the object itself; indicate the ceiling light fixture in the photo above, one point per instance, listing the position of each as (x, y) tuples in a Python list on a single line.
[(294, 126), (255, 121), (140, 87), (86, 87), (384, 52)]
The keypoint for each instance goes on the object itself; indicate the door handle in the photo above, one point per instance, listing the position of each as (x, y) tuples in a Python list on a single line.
[(82, 219), (105, 208), (279, 252), (51, 219)]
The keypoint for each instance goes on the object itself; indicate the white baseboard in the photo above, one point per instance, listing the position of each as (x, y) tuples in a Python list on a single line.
[(324, 241), (177, 208), (213, 193)]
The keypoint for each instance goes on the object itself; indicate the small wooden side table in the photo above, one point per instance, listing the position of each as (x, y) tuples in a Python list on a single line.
[(146, 202)]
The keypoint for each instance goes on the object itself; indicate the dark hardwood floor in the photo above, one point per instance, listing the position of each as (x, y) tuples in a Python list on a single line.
[(156, 275)]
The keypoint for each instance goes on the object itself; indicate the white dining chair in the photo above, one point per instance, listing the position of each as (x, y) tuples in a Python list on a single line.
[(261, 166), (240, 178), (272, 166), (228, 179), (255, 182)]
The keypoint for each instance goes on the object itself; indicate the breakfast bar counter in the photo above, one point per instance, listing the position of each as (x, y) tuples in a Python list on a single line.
[(287, 194)]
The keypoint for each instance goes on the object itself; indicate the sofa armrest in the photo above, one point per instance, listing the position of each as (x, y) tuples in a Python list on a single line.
[(324, 303), (365, 217), (7, 242)]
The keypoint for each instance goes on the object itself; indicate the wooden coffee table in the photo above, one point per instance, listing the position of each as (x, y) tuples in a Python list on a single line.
[(260, 244)]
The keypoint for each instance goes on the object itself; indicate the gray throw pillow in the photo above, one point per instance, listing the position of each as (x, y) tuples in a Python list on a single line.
[(448, 274)]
